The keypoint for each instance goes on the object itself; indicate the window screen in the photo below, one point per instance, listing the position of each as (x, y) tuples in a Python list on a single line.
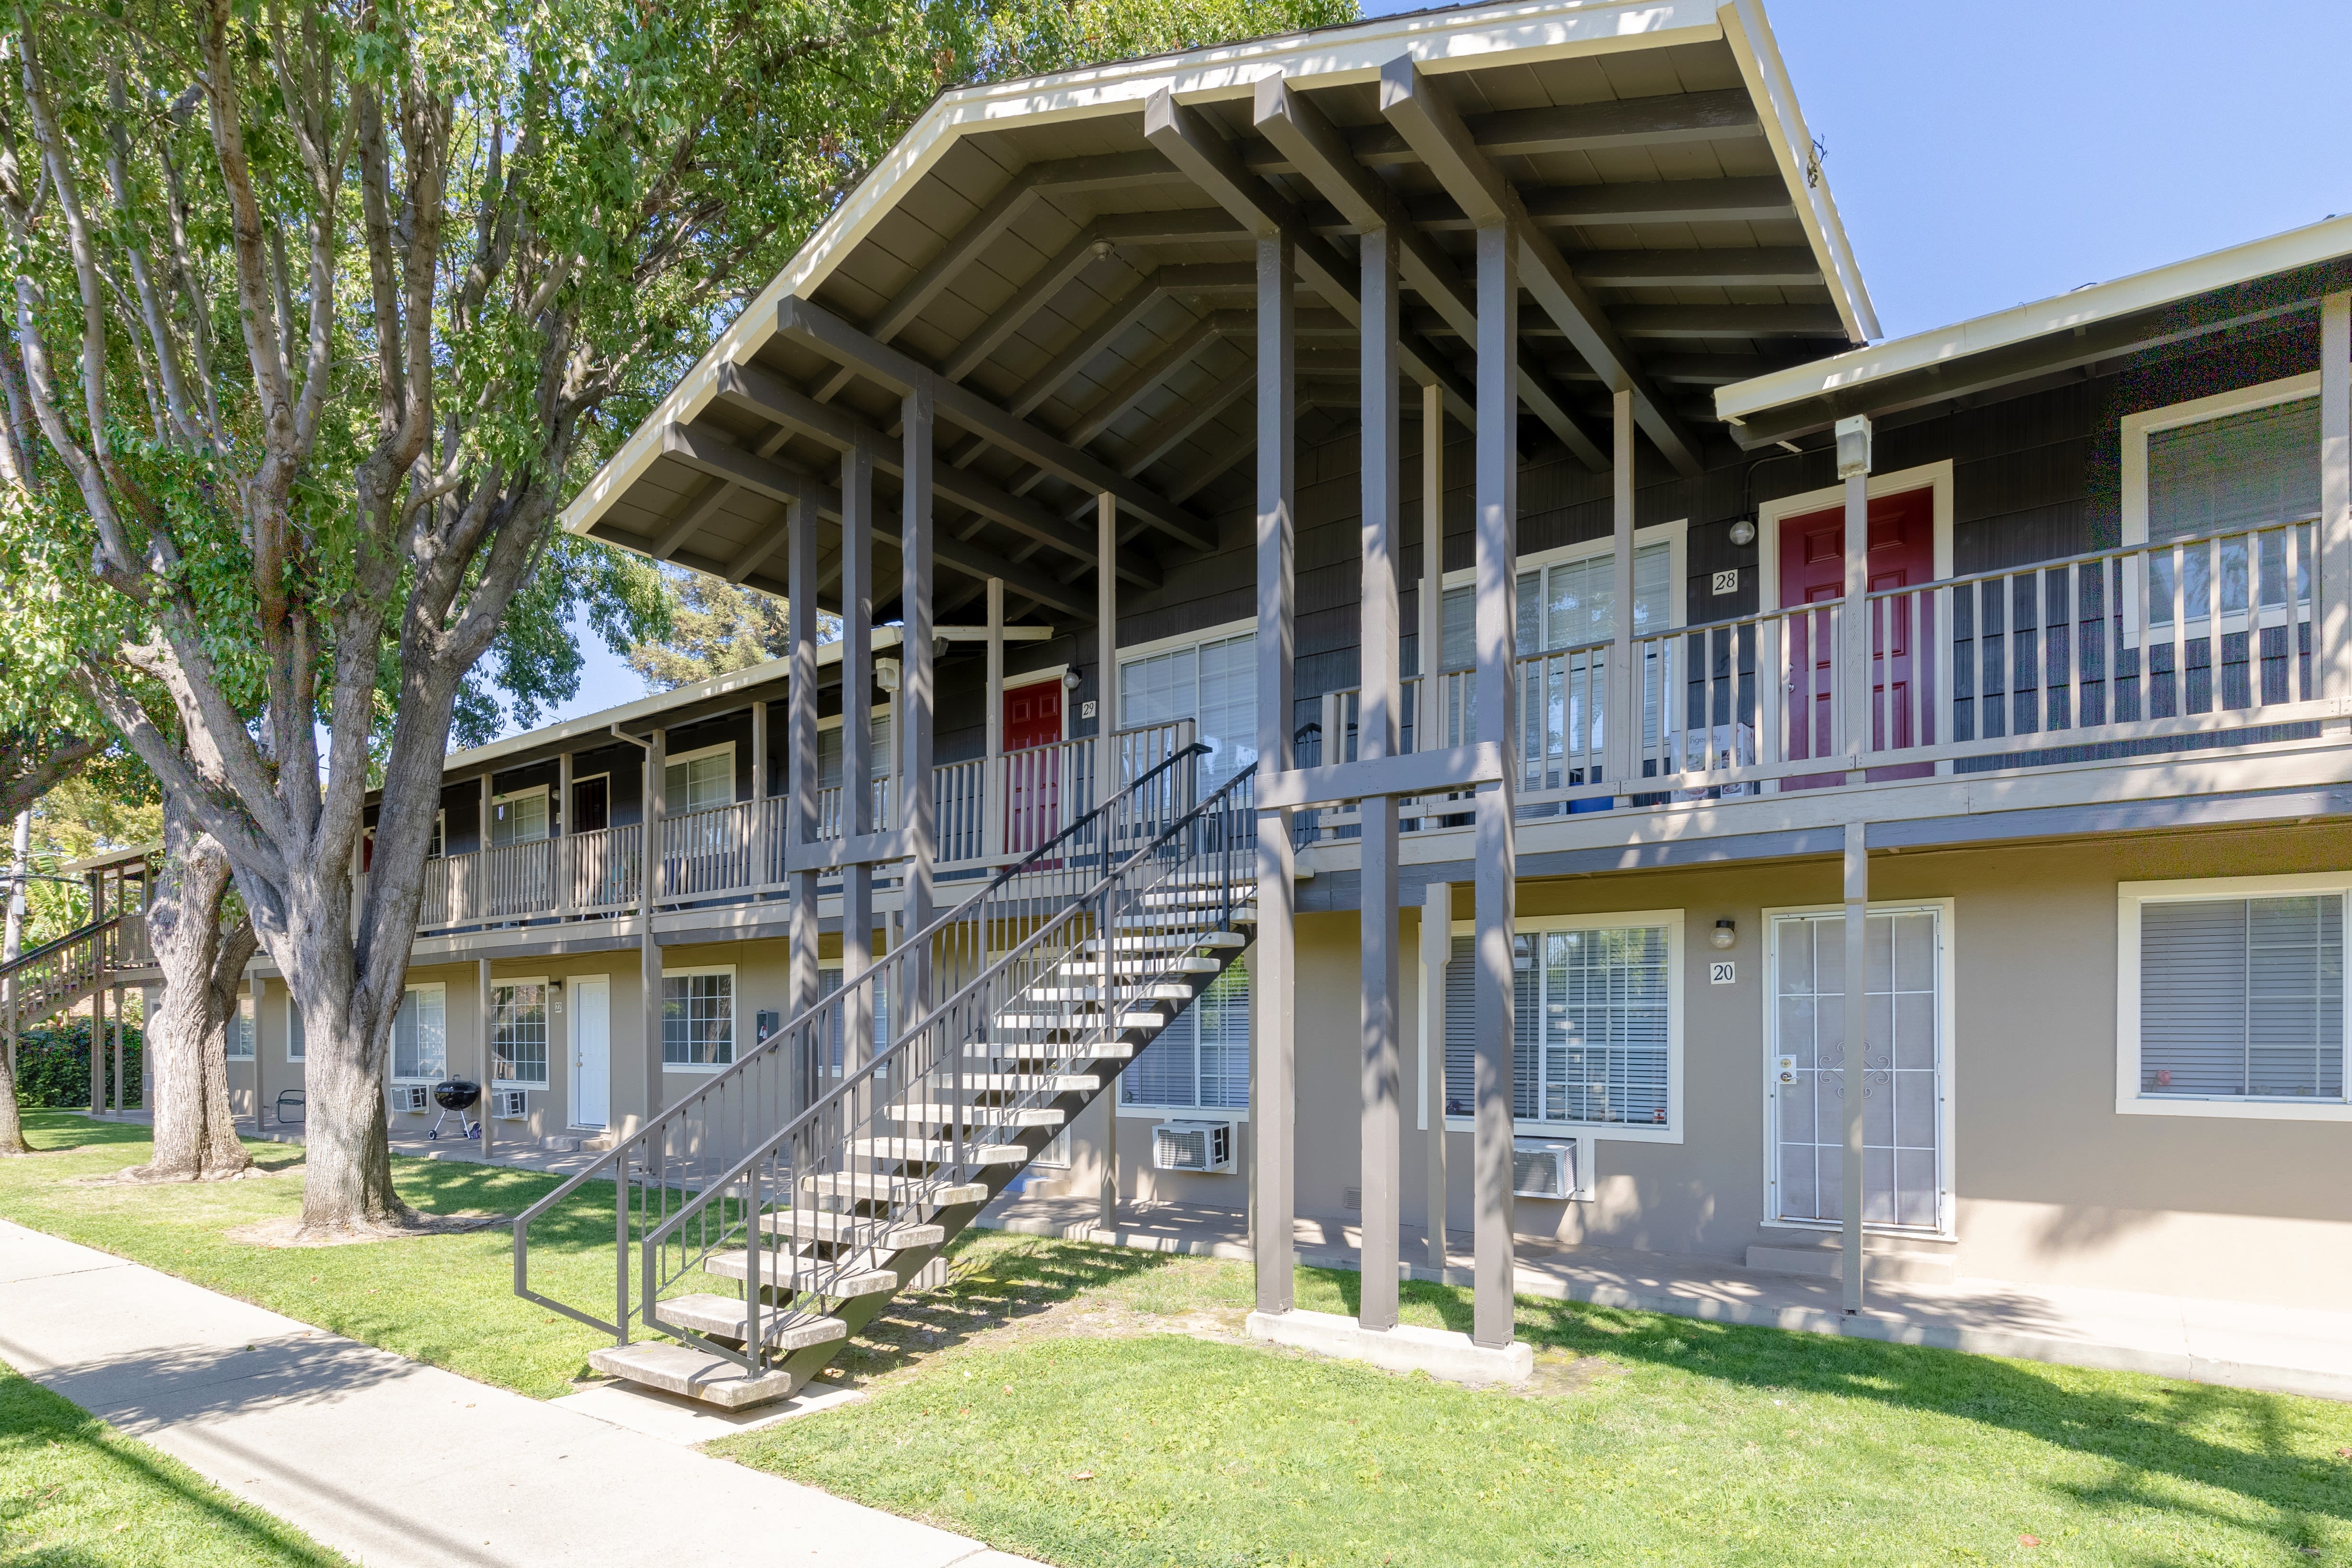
[(1590, 1028), (519, 818), (698, 1020), (240, 1030), (518, 1032), (2260, 466), (1202, 1059), (2242, 997), (879, 762), (701, 783), (420, 1035), (1566, 604), (1212, 684)]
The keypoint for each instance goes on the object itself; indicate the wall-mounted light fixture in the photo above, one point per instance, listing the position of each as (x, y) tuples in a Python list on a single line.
[(1743, 533), (1724, 936), (886, 673), (1070, 679), (1853, 446)]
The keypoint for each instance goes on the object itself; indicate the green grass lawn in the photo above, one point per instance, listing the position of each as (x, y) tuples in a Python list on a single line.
[(74, 1490), (1093, 1406)]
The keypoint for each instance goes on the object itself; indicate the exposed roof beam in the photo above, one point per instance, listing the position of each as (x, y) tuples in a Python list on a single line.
[(1095, 242), (1193, 146), (1167, 283), (1292, 122), (770, 397), (1787, 266), (1106, 408), (1242, 445), (1754, 199), (1415, 107), (700, 450), (1186, 422), (1569, 128), (829, 335), (698, 511), (1686, 369), (1732, 321)]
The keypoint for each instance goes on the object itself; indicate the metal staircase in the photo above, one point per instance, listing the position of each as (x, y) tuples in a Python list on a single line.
[(763, 1219)]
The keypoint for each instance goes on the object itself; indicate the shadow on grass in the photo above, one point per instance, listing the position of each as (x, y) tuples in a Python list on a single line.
[(2143, 1424), (58, 1130)]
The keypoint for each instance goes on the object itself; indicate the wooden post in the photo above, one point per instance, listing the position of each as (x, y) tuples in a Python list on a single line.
[(918, 697), (656, 796), (1273, 1069), (486, 997), (1495, 834), (1429, 706), (2334, 628), (97, 997), (801, 784), (1853, 690), (1436, 946), (121, 1101), (757, 871), (993, 795), (1380, 1078), (1624, 685), (479, 885), (564, 856), (1857, 1018), (857, 744), (1109, 779)]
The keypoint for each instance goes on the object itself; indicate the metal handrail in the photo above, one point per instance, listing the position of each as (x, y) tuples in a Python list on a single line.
[(614, 1161), (56, 944)]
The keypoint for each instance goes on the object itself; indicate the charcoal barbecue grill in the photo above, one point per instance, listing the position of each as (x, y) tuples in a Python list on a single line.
[(461, 1096)]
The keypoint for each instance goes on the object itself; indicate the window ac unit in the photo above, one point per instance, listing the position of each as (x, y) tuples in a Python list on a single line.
[(1545, 1168), (413, 1097), (506, 1105), (1193, 1146)]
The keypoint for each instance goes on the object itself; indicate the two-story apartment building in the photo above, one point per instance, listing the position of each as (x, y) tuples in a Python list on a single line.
[(1464, 428)]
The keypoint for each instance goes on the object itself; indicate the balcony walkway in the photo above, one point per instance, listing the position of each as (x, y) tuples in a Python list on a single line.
[(2277, 1349)]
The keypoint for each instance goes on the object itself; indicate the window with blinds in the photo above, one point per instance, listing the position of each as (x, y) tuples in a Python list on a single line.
[(702, 783), (420, 1035), (879, 763), (1593, 1033), (1201, 1061), (832, 1060), (2242, 998), (698, 1018), (240, 1030), (1566, 604), (2239, 471), (519, 818), (518, 1033), (1212, 684)]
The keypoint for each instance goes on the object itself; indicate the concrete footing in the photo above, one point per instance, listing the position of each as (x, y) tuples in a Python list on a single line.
[(1445, 1355)]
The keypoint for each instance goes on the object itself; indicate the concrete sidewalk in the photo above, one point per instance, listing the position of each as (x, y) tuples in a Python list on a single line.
[(394, 1463), (2279, 1349)]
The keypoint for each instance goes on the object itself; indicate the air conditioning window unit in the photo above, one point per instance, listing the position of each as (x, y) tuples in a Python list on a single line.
[(506, 1105), (1546, 1167), (411, 1097), (1193, 1146)]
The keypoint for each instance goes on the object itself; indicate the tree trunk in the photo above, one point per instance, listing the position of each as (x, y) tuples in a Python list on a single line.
[(347, 1147), (12, 1124), (195, 1136)]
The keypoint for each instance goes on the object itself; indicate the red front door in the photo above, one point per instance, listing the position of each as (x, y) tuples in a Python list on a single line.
[(1033, 794), (1813, 571)]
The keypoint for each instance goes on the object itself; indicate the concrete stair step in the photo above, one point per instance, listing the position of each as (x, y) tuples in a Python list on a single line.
[(787, 1270), (724, 1317), (938, 1151), (893, 1189), (1159, 941), (1031, 1083), (820, 1224), (1073, 1022), (696, 1374), (924, 1114), (1167, 991)]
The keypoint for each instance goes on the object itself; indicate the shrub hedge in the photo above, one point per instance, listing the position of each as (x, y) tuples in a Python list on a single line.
[(53, 1066)]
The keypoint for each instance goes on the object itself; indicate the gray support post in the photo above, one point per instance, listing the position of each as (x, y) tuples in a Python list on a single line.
[(993, 797), (1380, 1078), (801, 781), (759, 835), (857, 744), (918, 701), (1857, 1018), (1108, 780), (1625, 681), (1852, 687), (649, 958), (2335, 494), (1436, 946), (98, 997), (1273, 1065), (486, 1007), (121, 1101), (1495, 835), (1429, 709), (567, 876)]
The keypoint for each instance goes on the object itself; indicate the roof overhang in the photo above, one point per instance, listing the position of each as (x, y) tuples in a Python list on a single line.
[(2009, 348)]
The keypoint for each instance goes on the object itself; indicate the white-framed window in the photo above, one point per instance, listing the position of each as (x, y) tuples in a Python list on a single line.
[(240, 1030), (2225, 464), (1202, 1060), (294, 1042), (834, 1059), (1209, 677), (698, 1017), (518, 816), (420, 1036), (1906, 1106), (880, 763), (700, 780), (1597, 1026), (2229, 998), (518, 1033), (1567, 597)]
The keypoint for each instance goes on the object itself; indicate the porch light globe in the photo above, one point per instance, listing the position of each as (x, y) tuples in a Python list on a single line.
[(1724, 936), (1743, 532)]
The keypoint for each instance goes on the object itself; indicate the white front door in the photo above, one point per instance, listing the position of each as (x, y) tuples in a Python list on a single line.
[(592, 1051)]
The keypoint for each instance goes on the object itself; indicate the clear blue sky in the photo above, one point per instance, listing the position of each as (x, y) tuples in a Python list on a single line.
[(1994, 151)]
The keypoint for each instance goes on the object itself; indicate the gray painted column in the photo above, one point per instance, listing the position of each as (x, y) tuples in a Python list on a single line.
[(1436, 946), (2335, 494), (121, 1101), (1429, 706), (1273, 989), (857, 744), (1851, 1080), (1625, 681), (1852, 683), (993, 798), (485, 1008), (656, 796), (1380, 1077), (800, 781), (1496, 835), (918, 702), (1108, 780), (566, 873), (759, 852)]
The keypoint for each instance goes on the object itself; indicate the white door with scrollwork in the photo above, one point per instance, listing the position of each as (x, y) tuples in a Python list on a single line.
[(1906, 1168)]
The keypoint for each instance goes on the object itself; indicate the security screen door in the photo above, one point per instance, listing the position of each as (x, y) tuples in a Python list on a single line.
[(1903, 1070)]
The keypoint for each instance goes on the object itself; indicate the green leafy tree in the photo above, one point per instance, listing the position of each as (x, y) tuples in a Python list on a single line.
[(715, 628)]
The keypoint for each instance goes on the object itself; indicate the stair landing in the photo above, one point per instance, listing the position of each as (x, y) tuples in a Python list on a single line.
[(697, 1375)]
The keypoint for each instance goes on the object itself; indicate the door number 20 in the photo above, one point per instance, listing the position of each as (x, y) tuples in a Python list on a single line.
[(1722, 972)]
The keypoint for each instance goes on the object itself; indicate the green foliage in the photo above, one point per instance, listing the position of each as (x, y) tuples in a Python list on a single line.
[(53, 1065), (713, 628)]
